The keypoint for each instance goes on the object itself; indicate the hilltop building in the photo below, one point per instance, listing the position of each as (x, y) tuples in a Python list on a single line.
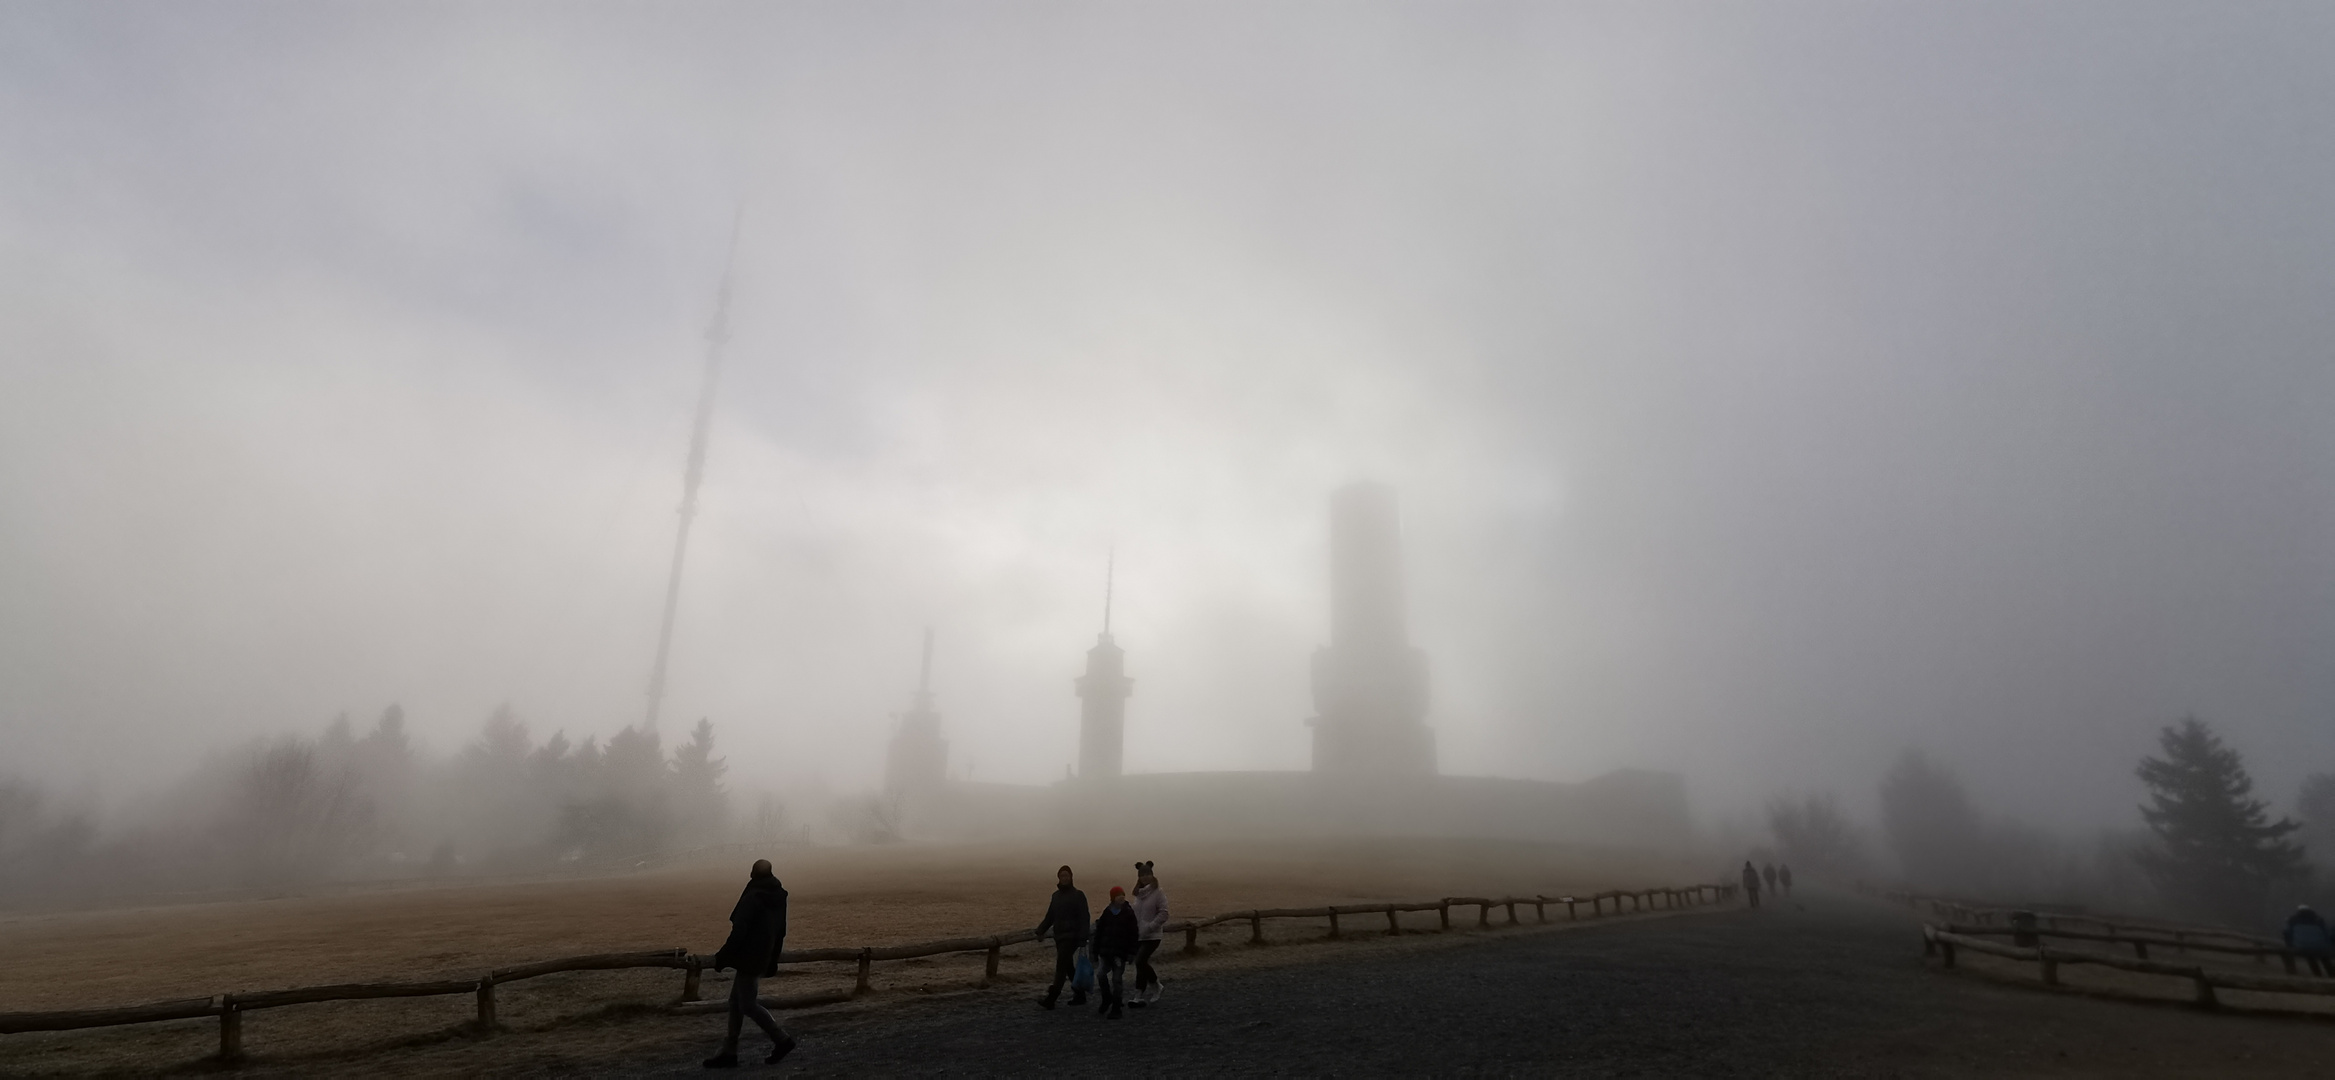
[(1373, 773)]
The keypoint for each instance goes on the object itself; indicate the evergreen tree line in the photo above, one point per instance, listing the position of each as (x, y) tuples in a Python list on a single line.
[(301, 809), (2204, 847)]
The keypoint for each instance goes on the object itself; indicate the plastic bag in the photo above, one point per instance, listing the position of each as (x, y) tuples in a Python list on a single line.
[(1082, 976)]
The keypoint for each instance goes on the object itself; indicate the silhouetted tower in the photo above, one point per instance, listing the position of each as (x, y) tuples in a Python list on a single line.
[(1103, 693), (716, 336), (1369, 683), (919, 760)]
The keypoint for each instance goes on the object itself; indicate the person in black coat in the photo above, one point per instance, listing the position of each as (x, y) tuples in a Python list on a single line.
[(1066, 915), (2307, 935), (1116, 933), (757, 931)]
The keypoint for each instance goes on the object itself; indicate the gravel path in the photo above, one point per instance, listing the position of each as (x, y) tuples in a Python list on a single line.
[(1823, 988)]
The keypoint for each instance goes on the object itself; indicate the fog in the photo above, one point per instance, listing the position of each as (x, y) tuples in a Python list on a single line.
[(1770, 388)]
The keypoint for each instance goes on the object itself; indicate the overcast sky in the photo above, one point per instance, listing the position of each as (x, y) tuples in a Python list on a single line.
[(1770, 387)]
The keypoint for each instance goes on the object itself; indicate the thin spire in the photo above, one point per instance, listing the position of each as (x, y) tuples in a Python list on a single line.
[(1110, 570), (716, 335)]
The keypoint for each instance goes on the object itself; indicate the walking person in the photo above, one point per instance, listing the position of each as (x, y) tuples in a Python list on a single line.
[(1066, 915), (1151, 919), (1769, 872), (1116, 934), (1750, 883), (757, 931), (2306, 934), (1784, 877)]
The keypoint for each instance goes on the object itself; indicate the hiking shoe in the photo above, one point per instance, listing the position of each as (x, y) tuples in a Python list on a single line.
[(721, 1061), (779, 1051), (1046, 1004), (1114, 1014), (1078, 999)]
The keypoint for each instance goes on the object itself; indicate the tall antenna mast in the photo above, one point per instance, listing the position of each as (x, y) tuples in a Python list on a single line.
[(716, 336), (1110, 570)]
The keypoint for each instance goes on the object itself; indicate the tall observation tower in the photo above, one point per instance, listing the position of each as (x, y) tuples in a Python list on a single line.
[(1370, 682), (1103, 693), (919, 759)]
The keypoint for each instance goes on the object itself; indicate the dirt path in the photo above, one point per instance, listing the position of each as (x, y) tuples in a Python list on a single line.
[(1833, 987)]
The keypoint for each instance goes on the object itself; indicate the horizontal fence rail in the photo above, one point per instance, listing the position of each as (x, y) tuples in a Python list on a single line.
[(1944, 943), (229, 1008), (1969, 914)]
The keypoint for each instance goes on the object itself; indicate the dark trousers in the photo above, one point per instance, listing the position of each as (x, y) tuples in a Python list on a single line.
[(1109, 978), (1754, 895), (745, 1004), (1065, 968), (1144, 975)]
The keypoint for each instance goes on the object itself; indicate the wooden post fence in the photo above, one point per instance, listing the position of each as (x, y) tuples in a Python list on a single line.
[(486, 1003), (229, 1009)]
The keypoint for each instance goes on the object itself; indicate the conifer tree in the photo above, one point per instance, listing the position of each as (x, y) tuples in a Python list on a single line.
[(2216, 852), (703, 804)]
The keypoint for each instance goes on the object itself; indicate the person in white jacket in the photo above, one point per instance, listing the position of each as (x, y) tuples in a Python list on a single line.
[(1151, 919)]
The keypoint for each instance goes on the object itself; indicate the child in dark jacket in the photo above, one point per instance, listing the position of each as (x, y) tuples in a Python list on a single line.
[(1116, 933)]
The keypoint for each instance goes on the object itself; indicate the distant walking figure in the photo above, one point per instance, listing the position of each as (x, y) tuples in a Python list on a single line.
[(1115, 936), (1151, 919), (1769, 872), (1750, 883), (757, 930), (2307, 935), (1066, 915), (1784, 877)]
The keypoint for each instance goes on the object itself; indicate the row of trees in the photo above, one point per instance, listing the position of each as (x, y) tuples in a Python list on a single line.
[(301, 808), (2207, 847)]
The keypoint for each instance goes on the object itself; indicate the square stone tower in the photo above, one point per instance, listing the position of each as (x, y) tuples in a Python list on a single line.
[(1369, 683)]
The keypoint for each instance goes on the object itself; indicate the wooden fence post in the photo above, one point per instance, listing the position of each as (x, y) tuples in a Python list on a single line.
[(1192, 938), (2050, 972), (230, 1030), (1443, 911), (866, 957), (1484, 914), (1541, 908), (1392, 927), (1333, 924), (1511, 912), (486, 1003), (2205, 998), (1946, 948), (1256, 929), (1572, 914), (689, 979), (2140, 949), (989, 967)]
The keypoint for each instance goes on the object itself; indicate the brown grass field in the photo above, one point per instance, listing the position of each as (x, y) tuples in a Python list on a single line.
[(839, 896)]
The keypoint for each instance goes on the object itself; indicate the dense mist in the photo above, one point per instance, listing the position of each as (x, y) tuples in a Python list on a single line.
[(1888, 418)]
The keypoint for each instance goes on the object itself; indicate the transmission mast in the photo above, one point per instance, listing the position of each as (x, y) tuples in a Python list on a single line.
[(716, 335)]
